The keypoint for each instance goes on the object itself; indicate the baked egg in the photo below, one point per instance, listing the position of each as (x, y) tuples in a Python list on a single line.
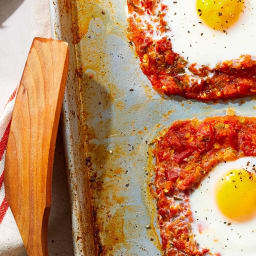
[(208, 32), (224, 209)]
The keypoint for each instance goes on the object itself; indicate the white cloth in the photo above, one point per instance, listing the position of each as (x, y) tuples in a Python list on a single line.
[(20, 22), (10, 240)]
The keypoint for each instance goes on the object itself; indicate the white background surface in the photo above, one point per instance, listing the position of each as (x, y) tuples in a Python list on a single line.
[(20, 22)]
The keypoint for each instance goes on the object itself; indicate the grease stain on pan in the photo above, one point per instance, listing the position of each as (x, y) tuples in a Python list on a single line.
[(114, 231), (110, 218), (97, 33), (115, 91), (149, 190), (82, 13), (85, 11), (150, 200), (66, 5), (166, 115), (148, 91), (119, 230)]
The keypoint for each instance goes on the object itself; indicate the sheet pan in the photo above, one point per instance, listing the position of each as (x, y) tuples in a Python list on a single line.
[(110, 116)]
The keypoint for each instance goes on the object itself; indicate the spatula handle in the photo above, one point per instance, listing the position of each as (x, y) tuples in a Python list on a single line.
[(31, 144)]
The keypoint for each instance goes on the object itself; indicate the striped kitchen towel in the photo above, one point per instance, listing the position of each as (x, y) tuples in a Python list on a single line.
[(12, 244), (5, 123)]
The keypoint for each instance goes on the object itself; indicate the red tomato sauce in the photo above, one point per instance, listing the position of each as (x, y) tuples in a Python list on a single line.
[(184, 155), (168, 71)]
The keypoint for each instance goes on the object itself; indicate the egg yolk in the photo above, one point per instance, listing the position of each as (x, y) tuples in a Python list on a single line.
[(219, 14), (236, 195)]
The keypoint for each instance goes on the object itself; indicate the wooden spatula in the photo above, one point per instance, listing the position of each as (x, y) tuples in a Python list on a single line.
[(31, 144)]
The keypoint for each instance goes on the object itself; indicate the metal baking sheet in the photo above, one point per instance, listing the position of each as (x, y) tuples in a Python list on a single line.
[(110, 116)]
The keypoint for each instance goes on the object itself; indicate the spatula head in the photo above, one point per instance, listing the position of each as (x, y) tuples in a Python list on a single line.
[(31, 143)]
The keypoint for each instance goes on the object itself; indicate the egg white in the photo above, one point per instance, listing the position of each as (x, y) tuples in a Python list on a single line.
[(200, 44), (234, 239)]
